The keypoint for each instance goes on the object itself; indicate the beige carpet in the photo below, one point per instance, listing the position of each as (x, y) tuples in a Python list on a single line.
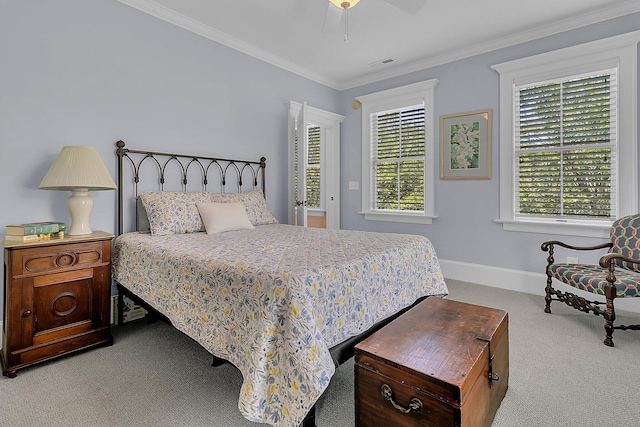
[(561, 375)]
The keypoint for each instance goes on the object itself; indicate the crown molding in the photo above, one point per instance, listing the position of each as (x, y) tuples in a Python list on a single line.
[(589, 18), (152, 8)]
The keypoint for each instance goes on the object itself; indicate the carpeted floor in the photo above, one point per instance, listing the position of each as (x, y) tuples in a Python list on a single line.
[(561, 375)]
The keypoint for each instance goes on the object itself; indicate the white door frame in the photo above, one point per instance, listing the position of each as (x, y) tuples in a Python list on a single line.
[(329, 159)]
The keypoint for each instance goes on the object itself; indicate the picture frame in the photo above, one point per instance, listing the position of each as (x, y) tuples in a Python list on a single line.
[(465, 145)]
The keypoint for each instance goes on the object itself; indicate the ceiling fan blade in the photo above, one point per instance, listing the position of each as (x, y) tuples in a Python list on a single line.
[(332, 18), (410, 6)]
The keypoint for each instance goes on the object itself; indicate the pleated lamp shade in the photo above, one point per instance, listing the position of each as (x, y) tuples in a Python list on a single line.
[(79, 170)]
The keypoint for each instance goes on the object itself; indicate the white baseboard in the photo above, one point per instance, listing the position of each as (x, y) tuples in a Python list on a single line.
[(515, 280)]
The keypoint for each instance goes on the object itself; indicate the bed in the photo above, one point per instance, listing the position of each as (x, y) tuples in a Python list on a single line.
[(284, 304)]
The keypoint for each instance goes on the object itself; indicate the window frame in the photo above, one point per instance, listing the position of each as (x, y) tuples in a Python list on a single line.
[(618, 52), (400, 97)]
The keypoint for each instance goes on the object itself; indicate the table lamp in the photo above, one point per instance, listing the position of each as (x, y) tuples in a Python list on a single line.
[(79, 170)]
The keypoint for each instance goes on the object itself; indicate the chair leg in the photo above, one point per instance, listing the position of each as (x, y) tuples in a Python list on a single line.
[(609, 314), (548, 289)]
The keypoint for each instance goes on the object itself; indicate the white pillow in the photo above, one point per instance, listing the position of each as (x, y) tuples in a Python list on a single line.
[(219, 217), (254, 203)]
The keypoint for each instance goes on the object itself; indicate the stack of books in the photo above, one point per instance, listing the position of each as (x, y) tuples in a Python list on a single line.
[(35, 231)]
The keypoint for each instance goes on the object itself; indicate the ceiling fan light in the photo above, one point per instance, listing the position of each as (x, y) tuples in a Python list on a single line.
[(344, 4)]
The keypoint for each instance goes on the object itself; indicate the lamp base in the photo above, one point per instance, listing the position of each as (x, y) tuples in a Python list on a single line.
[(80, 205)]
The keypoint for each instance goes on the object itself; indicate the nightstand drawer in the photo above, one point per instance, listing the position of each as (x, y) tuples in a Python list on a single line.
[(59, 258)]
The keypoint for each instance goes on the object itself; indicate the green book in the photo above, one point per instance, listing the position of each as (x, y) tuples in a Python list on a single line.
[(61, 225), (35, 228)]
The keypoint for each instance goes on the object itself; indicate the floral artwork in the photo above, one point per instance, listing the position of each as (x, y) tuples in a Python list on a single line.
[(465, 141), (465, 145)]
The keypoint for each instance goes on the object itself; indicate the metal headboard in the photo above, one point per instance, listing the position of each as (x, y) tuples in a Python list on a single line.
[(254, 170)]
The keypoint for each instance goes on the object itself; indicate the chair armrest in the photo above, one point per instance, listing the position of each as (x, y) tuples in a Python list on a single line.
[(548, 245), (606, 261)]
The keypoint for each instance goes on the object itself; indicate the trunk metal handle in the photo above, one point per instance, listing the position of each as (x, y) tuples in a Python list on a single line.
[(415, 404)]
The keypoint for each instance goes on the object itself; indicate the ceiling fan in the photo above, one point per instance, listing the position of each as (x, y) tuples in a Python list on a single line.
[(338, 7)]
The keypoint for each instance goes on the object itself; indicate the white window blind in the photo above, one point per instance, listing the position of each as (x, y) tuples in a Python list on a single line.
[(566, 147), (313, 167), (398, 159)]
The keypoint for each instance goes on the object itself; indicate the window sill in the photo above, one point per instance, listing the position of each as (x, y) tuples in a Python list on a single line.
[(567, 228), (398, 217)]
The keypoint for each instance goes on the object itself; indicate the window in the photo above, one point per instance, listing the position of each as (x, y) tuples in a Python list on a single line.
[(565, 147), (313, 196), (397, 146), (398, 159), (313, 167), (568, 140)]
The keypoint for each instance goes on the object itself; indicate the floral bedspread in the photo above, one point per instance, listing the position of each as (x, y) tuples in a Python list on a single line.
[(273, 300)]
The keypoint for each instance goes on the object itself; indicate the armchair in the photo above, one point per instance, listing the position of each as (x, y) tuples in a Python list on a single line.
[(616, 276)]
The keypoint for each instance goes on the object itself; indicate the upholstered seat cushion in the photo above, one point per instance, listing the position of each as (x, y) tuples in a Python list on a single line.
[(593, 279)]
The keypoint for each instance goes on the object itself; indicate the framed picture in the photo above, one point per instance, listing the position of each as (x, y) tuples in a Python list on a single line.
[(465, 145)]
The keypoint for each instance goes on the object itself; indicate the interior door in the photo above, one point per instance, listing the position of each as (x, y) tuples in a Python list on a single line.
[(302, 152)]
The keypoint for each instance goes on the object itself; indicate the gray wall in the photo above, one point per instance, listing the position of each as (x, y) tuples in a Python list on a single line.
[(89, 73), (77, 72), (465, 230)]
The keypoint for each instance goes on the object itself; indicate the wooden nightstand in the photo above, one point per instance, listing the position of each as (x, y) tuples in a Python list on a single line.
[(56, 298)]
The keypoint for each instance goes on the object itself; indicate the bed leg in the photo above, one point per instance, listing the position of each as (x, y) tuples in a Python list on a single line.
[(218, 361), (120, 306), (151, 316), (310, 419)]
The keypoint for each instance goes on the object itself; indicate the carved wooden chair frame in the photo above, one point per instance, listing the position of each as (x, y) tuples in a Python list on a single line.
[(616, 276)]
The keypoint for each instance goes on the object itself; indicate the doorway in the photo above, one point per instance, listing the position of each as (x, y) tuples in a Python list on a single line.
[(314, 166)]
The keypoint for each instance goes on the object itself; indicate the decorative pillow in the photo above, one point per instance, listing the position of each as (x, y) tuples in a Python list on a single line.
[(142, 220), (173, 212), (254, 203), (219, 217)]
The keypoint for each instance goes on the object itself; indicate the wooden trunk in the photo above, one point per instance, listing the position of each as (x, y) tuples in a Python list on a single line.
[(443, 363)]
